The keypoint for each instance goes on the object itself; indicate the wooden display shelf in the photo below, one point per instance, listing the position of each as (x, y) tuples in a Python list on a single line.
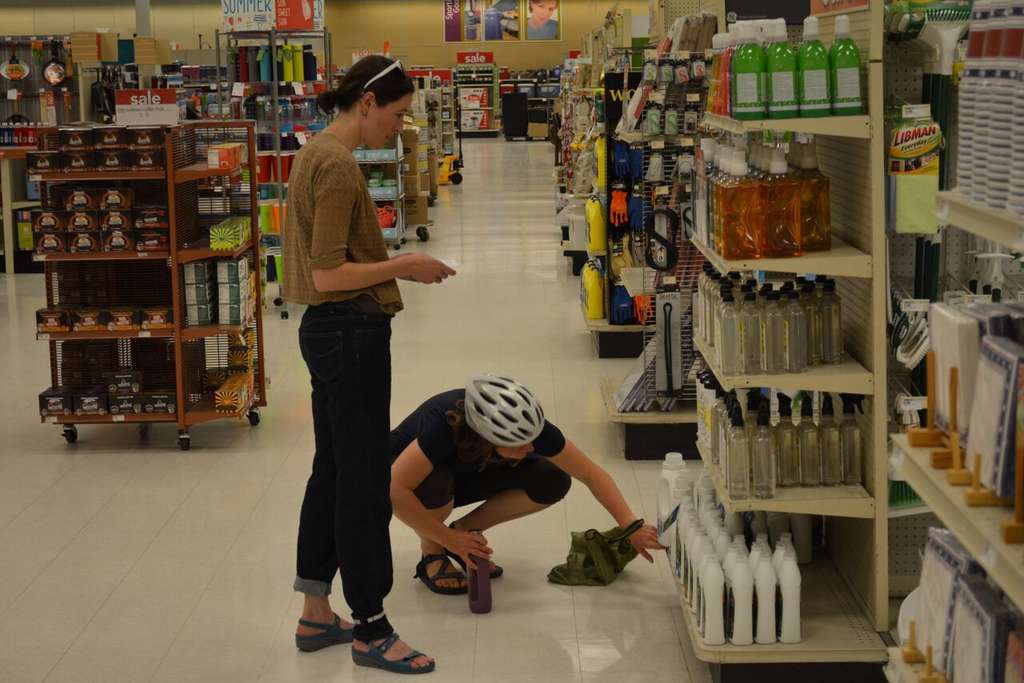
[(71, 177), (106, 334), (834, 501), (848, 377), (203, 331), (999, 226), (838, 126), (678, 416), (842, 260), (200, 171), (833, 627), (108, 419), (979, 529), (201, 251), (204, 412), (104, 256)]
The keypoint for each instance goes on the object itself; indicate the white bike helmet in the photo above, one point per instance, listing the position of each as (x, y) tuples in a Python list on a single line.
[(502, 411)]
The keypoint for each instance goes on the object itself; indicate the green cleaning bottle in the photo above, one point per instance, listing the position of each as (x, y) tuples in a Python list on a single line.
[(844, 63), (748, 71), (782, 101), (812, 73)]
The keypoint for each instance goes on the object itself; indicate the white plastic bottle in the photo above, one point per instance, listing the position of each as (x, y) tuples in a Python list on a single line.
[(667, 507), (713, 620), (765, 583), (702, 545), (789, 582), (734, 523), (741, 605), (784, 543), (722, 541)]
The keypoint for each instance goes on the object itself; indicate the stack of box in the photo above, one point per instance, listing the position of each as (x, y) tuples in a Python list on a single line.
[(235, 292), (231, 233), (199, 293), (410, 174), (124, 389)]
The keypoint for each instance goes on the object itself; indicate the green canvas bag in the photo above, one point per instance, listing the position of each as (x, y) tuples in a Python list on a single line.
[(596, 558)]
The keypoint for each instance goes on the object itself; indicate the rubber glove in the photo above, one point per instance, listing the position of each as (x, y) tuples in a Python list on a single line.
[(621, 160), (636, 213), (619, 212), (636, 163), (622, 306)]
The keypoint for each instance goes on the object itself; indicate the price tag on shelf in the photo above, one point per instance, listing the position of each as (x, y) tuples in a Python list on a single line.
[(662, 191), (669, 280), (144, 334), (117, 418), (915, 305), (693, 97), (979, 298), (954, 298), (989, 556), (238, 90), (52, 419), (35, 177), (302, 138), (43, 336), (907, 403), (686, 142), (142, 254), (38, 257), (682, 54), (657, 96), (297, 87), (658, 144), (12, 93)]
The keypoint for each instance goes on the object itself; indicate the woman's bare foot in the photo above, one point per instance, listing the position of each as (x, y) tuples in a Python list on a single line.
[(437, 566), (400, 650)]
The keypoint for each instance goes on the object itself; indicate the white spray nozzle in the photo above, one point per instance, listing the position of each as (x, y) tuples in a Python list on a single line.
[(842, 26), (811, 28)]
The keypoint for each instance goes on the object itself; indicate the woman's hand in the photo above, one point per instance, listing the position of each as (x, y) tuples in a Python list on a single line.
[(646, 538), (425, 269), (466, 543)]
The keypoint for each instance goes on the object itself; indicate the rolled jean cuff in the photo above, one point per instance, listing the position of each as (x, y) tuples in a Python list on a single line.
[(312, 587)]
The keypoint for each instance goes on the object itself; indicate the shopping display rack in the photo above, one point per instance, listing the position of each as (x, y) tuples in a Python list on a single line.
[(187, 365)]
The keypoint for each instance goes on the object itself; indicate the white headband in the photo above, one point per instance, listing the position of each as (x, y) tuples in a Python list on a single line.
[(397, 64)]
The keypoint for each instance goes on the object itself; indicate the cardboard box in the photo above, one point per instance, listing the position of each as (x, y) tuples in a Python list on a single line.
[(92, 48), (416, 209), (411, 183), (410, 140), (225, 156), (434, 172), (152, 51), (425, 181), (537, 130)]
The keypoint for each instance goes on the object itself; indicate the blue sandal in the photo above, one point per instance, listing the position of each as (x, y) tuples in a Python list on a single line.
[(333, 634), (374, 658)]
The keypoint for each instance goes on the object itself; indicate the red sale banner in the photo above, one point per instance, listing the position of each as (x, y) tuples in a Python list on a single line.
[(475, 57)]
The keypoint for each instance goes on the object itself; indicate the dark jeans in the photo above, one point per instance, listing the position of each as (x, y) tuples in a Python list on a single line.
[(347, 507)]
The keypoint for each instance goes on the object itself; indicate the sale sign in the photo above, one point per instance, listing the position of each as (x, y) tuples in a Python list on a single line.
[(294, 15), (475, 57), (150, 107)]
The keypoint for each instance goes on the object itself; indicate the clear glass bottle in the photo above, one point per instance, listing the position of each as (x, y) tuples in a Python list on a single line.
[(831, 324), (788, 450), (774, 355), (714, 415), (750, 336), (722, 425), (796, 334), (831, 451), (852, 443), (812, 313), (739, 459), (810, 449), (763, 454), (728, 342)]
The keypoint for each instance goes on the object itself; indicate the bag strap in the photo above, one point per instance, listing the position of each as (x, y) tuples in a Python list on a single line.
[(622, 535)]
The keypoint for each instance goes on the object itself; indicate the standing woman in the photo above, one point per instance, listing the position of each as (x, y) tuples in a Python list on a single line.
[(337, 264)]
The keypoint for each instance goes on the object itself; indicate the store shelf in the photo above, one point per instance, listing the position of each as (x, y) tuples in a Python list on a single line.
[(108, 419), (834, 628), (834, 501), (200, 171), (104, 256), (203, 331), (205, 412), (978, 528), (678, 416), (636, 137), (105, 334), (27, 204), (386, 194), (842, 260), (847, 377), (898, 671), (603, 325), (909, 511), (1003, 228), (201, 251), (58, 176), (839, 126)]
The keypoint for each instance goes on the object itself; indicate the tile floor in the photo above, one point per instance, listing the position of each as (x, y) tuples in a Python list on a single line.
[(125, 559)]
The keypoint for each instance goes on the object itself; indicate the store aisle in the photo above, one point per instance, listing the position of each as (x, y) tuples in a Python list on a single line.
[(125, 559)]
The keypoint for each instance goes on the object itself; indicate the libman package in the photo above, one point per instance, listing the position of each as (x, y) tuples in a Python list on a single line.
[(913, 172)]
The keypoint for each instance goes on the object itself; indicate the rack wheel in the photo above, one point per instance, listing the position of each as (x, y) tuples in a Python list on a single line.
[(279, 301), (70, 433), (184, 442), (397, 246), (284, 315), (430, 200), (254, 417), (456, 178), (423, 233)]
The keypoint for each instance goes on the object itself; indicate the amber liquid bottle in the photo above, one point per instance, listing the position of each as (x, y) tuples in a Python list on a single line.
[(742, 212), (782, 198), (815, 207)]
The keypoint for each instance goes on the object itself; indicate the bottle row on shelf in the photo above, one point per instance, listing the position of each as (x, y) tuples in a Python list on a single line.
[(757, 73), (759, 204), (785, 328)]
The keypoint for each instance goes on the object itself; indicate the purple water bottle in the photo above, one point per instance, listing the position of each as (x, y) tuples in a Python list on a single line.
[(492, 23), (480, 586)]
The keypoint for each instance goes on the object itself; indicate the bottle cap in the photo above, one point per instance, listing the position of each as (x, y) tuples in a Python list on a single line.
[(753, 400), (751, 283), (808, 288), (674, 459), (826, 406), (763, 416), (794, 295), (785, 406), (749, 297), (779, 165), (779, 31), (719, 41), (736, 418), (787, 287), (810, 28), (850, 403), (727, 297), (735, 276), (773, 296), (842, 26), (830, 287), (806, 407)]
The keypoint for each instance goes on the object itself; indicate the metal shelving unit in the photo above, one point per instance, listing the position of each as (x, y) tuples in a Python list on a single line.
[(478, 76), (842, 260), (834, 126), (1000, 227)]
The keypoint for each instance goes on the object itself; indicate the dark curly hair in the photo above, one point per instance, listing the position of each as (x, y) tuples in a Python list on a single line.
[(392, 87), (470, 446)]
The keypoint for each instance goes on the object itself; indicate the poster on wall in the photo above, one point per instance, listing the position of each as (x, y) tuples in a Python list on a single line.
[(263, 15), (542, 20), (489, 20)]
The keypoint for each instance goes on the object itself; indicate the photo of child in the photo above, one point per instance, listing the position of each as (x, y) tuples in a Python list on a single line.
[(542, 20)]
